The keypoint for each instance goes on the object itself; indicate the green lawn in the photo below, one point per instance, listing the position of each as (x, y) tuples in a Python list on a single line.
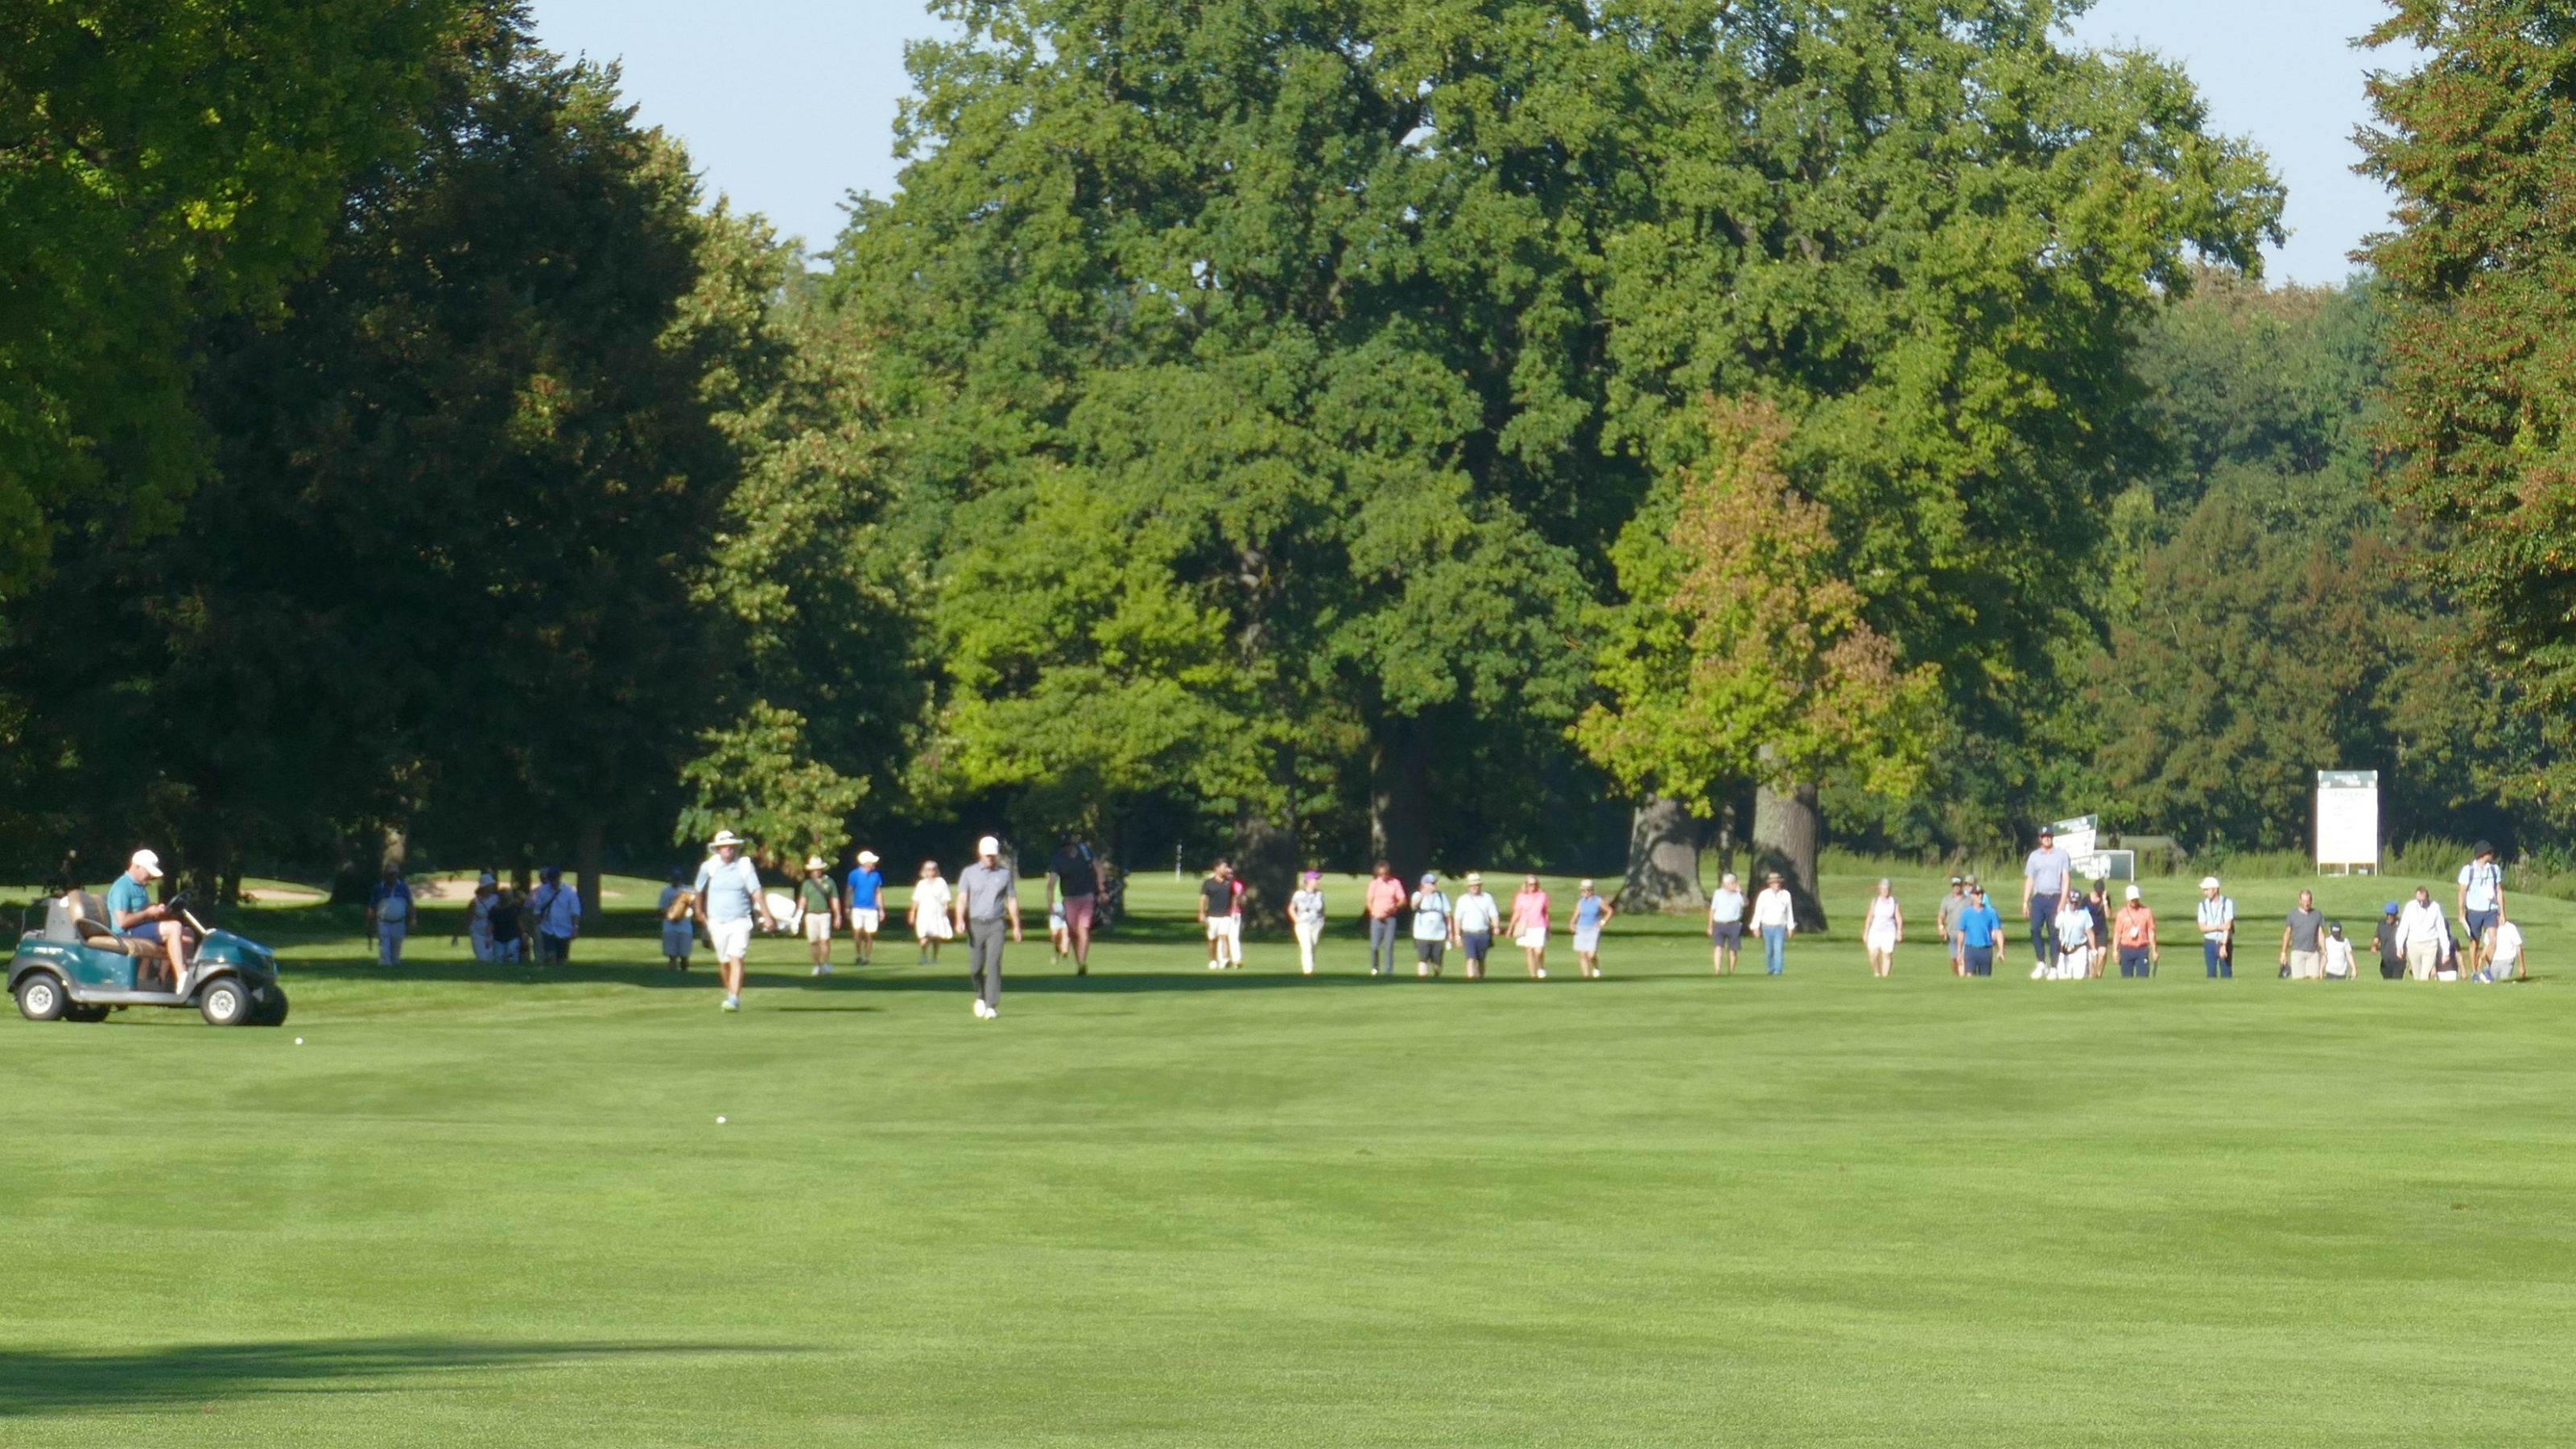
[(1159, 1206)]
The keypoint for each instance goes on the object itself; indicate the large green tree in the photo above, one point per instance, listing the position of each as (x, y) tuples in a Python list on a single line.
[(163, 162), (2478, 140)]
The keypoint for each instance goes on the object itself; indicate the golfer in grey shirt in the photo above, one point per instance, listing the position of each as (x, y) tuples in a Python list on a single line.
[(988, 902)]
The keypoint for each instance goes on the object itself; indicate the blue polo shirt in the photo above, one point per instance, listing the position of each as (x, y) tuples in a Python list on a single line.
[(129, 894), (865, 882), (1979, 925)]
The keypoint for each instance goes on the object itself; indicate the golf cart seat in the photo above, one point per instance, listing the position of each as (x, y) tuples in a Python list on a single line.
[(87, 918)]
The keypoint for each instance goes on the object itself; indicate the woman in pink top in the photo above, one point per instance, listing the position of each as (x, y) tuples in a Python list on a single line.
[(1386, 898), (1529, 926)]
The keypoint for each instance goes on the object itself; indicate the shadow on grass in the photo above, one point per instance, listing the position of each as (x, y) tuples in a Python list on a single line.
[(35, 1382)]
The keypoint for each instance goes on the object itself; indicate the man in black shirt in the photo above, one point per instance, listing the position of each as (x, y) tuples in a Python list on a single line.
[(1221, 913), (1073, 876)]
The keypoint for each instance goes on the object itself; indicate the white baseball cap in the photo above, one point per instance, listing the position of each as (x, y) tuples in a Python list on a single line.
[(989, 845), (867, 857), (2209, 882), (726, 837), (487, 878), (2133, 893), (151, 863)]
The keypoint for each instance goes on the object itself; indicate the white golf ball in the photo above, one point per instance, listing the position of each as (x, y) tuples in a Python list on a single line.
[(720, 1121), (299, 1041)]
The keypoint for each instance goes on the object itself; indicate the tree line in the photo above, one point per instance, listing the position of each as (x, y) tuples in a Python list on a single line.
[(1519, 431)]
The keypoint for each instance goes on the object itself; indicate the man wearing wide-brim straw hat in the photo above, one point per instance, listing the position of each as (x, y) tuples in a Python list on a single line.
[(818, 907), (729, 901)]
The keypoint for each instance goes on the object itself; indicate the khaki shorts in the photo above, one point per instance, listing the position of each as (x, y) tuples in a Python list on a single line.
[(818, 925), (2307, 965)]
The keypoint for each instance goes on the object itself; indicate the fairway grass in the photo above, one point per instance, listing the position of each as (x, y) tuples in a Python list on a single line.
[(1171, 1207)]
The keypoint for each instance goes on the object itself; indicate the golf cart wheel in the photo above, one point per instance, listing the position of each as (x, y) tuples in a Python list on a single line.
[(272, 1008), (78, 1012), (224, 1001), (41, 996)]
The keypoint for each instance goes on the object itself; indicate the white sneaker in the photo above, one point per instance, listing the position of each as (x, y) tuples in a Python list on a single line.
[(2039, 973), (1542, 975), (977, 1006), (1216, 965), (733, 1003), (992, 1013)]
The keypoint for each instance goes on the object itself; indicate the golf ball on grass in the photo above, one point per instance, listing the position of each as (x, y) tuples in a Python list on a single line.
[(720, 1121), (299, 1041)]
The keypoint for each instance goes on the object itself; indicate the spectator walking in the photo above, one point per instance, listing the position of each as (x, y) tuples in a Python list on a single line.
[(2045, 878), (679, 905), (1726, 924), (2504, 955), (1591, 912), (2339, 963), (389, 915), (556, 909), (1432, 932), (1385, 900), (2216, 915), (931, 898), (988, 904), (2423, 936), (2392, 955), (1981, 930), (1221, 912), (1946, 921), (1306, 918), (818, 909), (2072, 931), (478, 915), (1882, 928), (1531, 921), (729, 901), (2481, 901), (509, 926), (2097, 904), (1775, 916), (2133, 934), (1073, 885), (2303, 952), (863, 905), (1473, 925)]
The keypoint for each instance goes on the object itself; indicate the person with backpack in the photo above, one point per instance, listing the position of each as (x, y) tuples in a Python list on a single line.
[(2481, 903), (818, 909), (555, 910), (389, 915)]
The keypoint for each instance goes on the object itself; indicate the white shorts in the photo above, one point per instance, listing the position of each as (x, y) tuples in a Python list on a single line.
[(1879, 938), (866, 919), (1225, 928), (818, 925), (1533, 939), (1587, 940), (732, 938)]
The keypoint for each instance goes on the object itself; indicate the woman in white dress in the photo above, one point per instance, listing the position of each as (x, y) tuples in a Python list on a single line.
[(931, 899), (1882, 928)]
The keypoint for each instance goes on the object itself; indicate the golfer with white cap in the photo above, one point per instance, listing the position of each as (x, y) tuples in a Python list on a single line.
[(729, 901), (134, 914), (818, 906), (863, 904), (988, 902), (2217, 918)]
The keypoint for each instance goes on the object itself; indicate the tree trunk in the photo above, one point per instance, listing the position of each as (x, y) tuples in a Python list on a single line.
[(1663, 861), (1787, 829), (589, 845), (1399, 794), (1265, 860)]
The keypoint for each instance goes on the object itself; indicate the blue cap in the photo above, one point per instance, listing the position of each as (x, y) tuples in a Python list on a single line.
[(2389, 909)]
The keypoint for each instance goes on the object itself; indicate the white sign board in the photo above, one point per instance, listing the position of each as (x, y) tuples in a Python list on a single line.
[(2348, 820), (2077, 836), (2107, 865)]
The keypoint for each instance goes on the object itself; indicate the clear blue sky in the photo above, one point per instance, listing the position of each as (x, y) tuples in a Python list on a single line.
[(787, 105)]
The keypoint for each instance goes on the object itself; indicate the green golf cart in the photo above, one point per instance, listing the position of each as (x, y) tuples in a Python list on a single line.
[(77, 968)]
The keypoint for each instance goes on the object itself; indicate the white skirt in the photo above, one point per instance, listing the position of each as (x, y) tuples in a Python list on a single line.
[(1533, 939), (935, 927)]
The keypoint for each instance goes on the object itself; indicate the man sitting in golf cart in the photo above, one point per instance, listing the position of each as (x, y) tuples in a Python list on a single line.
[(149, 928)]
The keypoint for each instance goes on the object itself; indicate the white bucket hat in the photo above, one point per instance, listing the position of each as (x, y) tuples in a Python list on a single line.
[(726, 837), (815, 862)]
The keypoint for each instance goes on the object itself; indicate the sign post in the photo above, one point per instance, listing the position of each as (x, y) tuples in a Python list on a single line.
[(2348, 822)]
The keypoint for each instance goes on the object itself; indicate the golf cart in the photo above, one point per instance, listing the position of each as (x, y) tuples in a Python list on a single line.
[(77, 968)]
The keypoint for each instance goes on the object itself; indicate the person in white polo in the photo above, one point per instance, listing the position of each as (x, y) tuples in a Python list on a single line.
[(729, 901)]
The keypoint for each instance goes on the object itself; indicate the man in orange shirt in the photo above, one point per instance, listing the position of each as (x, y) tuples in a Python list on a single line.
[(2133, 930), (1385, 898)]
